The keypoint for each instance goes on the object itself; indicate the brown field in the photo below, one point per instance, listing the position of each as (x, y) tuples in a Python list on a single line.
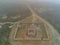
[(19, 37), (21, 33), (40, 36)]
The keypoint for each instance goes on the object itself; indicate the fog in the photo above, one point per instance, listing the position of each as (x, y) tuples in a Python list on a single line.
[(52, 1), (6, 6)]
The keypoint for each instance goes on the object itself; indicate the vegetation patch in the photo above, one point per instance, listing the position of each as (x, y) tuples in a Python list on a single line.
[(4, 34)]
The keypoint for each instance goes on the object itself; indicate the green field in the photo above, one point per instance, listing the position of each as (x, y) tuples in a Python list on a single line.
[(4, 34)]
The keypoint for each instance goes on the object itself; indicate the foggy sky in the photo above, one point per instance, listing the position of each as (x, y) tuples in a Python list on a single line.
[(55, 1)]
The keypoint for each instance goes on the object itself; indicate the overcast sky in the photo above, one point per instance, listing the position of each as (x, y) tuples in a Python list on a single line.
[(53, 1)]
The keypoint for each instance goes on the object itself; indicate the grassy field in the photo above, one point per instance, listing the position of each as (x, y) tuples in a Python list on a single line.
[(4, 34)]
